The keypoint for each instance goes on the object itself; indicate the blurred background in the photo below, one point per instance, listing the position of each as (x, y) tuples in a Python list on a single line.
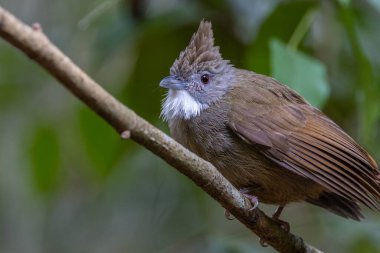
[(67, 182)]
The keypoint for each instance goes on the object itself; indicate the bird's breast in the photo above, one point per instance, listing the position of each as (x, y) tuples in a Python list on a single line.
[(209, 136)]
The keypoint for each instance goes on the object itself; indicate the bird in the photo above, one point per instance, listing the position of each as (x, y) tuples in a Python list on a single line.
[(264, 137)]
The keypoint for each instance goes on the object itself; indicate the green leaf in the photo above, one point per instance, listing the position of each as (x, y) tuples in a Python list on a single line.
[(300, 72), (100, 141), (44, 156), (280, 24)]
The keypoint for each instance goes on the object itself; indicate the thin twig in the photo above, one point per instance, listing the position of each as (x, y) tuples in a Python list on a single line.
[(38, 47)]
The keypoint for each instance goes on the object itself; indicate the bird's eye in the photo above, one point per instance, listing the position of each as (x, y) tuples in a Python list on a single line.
[(205, 78)]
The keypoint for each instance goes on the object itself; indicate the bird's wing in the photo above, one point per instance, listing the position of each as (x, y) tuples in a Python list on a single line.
[(298, 137)]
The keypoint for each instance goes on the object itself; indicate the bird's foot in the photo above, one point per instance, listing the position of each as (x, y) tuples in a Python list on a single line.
[(276, 218), (253, 199), (254, 202), (283, 224)]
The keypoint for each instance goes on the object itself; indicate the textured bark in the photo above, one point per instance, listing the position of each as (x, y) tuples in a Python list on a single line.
[(37, 46)]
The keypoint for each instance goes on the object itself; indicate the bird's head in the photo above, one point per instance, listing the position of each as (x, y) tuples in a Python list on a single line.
[(198, 77)]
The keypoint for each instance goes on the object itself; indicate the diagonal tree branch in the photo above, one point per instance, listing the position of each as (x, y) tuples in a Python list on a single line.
[(37, 46)]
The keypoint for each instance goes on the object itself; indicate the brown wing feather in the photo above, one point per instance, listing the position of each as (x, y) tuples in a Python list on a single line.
[(300, 138)]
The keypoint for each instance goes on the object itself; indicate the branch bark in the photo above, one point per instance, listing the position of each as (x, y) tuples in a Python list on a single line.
[(37, 46)]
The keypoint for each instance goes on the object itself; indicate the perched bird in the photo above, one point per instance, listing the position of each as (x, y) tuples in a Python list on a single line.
[(264, 137)]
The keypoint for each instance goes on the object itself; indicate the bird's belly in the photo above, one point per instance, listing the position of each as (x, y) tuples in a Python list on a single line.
[(264, 179), (243, 166), (272, 184)]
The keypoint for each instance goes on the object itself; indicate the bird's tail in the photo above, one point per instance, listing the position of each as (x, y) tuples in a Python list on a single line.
[(338, 205)]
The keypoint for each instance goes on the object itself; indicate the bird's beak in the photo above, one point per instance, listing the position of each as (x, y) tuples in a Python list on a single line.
[(173, 82)]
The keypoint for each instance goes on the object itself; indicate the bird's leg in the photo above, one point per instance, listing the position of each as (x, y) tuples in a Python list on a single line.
[(276, 217)]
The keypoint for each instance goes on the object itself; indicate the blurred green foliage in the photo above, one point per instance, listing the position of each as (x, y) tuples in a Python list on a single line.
[(100, 142), (44, 155), (308, 76), (67, 182)]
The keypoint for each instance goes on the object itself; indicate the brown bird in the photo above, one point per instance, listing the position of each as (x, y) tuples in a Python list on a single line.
[(264, 137)]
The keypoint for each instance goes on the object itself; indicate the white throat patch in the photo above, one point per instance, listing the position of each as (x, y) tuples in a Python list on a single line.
[(179, 103)]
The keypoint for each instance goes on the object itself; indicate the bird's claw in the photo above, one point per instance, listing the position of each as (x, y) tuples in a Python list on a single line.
[(253, 199), (283, 224), (228, 215)]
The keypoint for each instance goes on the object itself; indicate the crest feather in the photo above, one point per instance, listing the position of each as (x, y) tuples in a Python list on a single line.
[(200, 54)]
